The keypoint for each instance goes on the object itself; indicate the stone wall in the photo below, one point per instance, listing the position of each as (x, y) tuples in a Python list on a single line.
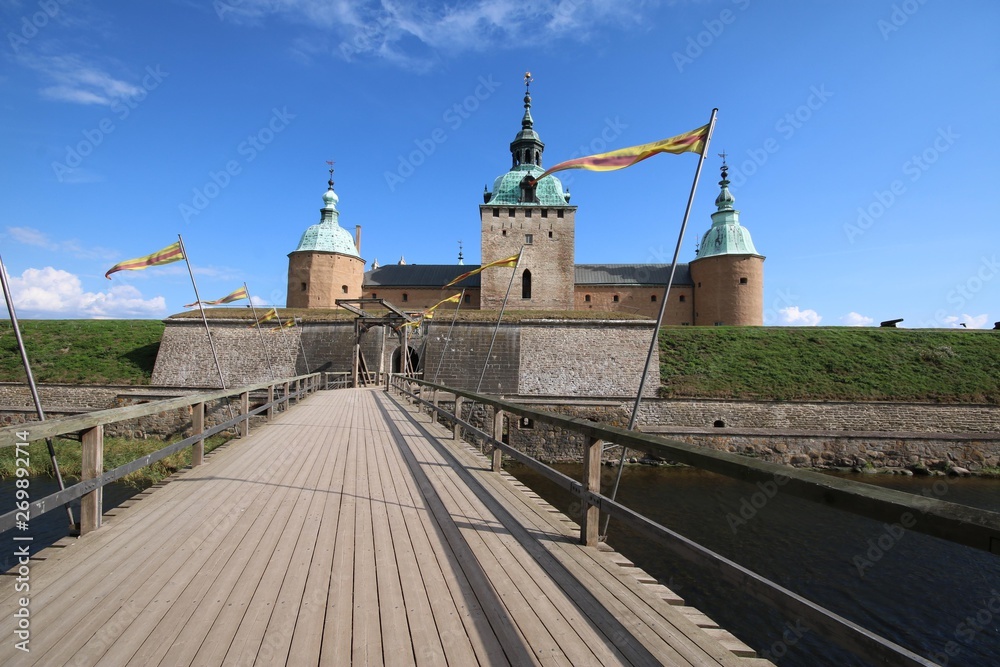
[(580, 358), (465, 354)]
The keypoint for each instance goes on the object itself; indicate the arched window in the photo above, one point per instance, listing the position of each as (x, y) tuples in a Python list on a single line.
[(526, 284), (343, 288)]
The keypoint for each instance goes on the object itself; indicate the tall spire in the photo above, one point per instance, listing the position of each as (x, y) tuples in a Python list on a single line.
[(725, 200), (329, 211), (527, 147)]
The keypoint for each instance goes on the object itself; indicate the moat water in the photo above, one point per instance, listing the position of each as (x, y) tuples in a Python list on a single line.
[(920, 592)]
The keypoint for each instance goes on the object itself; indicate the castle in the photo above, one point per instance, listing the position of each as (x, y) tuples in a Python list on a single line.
[(723, 285)]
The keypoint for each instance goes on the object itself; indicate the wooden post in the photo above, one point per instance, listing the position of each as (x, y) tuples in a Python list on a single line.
[(245, 411), (434, 404), (198, 426), (285, 397), (458, 415), (498, 436), (270, 402), (590, 524), (92, 466)]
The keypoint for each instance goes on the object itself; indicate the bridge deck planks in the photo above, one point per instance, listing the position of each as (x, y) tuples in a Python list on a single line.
[(344, 532)]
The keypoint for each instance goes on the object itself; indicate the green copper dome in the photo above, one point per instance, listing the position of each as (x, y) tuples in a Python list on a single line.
[(328, 235), (526, 150), (507, 188), (727, 236)]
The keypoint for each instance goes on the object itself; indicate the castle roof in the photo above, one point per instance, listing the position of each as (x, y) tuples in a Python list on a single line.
[(726, 236), (328, 235), (438, 275)]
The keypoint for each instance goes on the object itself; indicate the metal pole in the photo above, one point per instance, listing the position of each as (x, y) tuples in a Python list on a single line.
[(663, 309), (261, 333), (302, 347), (31, 382), (447, 339), (503, 307)]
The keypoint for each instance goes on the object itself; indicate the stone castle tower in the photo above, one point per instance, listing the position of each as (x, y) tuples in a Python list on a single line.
[(521, 212), (326, 266), (728, 274)]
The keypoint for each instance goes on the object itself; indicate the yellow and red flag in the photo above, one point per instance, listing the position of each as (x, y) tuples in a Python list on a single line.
[(284, 325), (266, 317), (241, 293), (172, 253), (693, 142), (509, 262), (454, 298)]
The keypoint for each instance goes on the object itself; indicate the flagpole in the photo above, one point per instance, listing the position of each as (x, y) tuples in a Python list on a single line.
[(31, 382), (503, 307), (447, 339), (663, 309), (204, 318), (263, 345)]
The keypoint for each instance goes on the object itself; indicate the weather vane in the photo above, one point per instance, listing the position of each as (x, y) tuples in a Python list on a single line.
[(527, 80), (723, 156), (330, 182)]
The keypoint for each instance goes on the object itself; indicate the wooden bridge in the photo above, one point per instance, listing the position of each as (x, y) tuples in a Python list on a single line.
[(349, 530)]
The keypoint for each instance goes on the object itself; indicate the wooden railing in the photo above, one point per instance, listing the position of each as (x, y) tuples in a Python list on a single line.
[(91, 425), (964, 525)]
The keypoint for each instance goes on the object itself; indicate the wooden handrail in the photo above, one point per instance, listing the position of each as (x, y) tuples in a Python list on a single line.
[(92, 424), (842, 631)]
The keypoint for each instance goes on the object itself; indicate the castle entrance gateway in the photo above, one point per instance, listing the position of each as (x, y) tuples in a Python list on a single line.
[(371, 313)]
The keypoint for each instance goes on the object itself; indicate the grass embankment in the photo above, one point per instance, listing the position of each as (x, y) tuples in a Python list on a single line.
[(830, 363), (117, 452), (82, 351)]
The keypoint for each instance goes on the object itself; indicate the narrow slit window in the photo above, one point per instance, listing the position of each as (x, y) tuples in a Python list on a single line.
[(526, 284)]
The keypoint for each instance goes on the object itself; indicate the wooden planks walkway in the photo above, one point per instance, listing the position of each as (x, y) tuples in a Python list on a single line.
[(344, 532)]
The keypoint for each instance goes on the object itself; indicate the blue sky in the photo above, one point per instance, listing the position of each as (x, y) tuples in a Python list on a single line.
[(862, 140)]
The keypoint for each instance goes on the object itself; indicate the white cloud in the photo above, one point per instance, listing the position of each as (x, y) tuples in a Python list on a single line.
[(79, 82), (970, 321), (853, 319), (51, 292), (796, 317), (39, 239), (411, 34)]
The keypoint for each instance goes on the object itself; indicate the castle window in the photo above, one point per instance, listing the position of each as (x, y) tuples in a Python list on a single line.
[(699, 284), (652, 297), (406, 297), (683, 298), (615, 298), (743, 281), (374, 295), (510, 213), (545, 212), (720, 324), (719, 424), (586, 297), (550, 233), (496, 213), (526, 284), (343, 288), (526, 423), (303, 287), (685, 324), (527, 213), (503, 233), (468, 299), (559, 213), (528, 239)]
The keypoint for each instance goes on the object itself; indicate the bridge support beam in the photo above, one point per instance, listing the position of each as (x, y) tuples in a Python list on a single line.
[(245, 413), (91, 467), (589, 524), (457, 428), (270, 402), (197, 427), (498, 436)]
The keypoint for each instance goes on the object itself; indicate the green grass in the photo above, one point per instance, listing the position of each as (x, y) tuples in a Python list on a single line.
[(117, 452), (82, 351), (830, 363)]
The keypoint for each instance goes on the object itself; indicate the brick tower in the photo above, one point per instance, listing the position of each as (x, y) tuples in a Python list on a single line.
[(728, 274), (521, 212), (326, 266)]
